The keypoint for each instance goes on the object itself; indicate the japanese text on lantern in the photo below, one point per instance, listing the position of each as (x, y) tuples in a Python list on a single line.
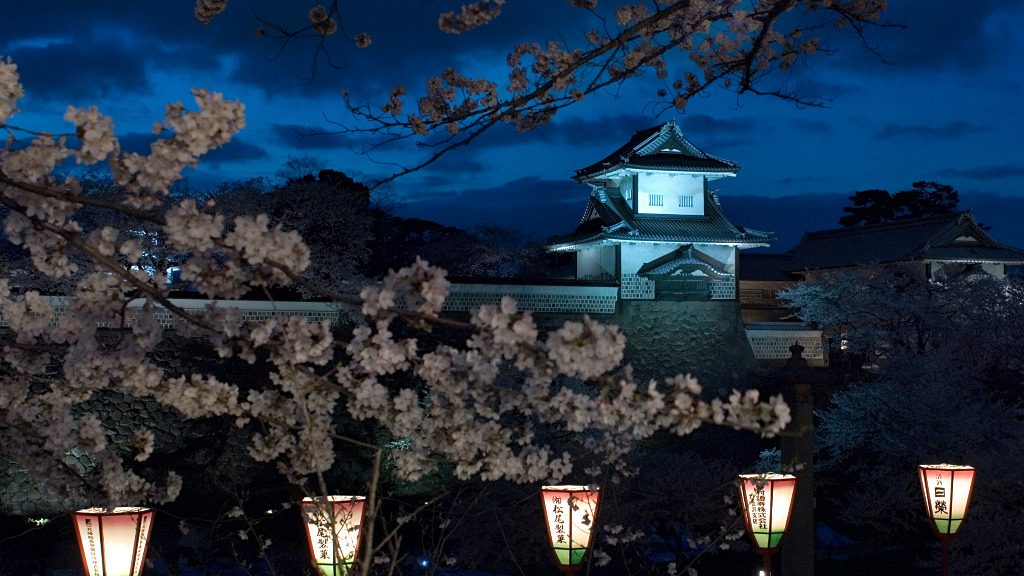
[(90, 537), (758, 511), (142, 535), (558, 519), (323, 543), (940, 496)]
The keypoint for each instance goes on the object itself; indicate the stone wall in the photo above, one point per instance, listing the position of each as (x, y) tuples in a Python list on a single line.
[(704, 338)]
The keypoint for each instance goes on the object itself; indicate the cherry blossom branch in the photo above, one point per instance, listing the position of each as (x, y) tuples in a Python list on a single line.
[(111, 265)]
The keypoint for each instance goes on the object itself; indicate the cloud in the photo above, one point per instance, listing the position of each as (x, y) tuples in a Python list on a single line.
[(956, 129), (566, 130), (304, 137), (137, 142), (703, 123), (812, 125), (540, 207), (81, 71), (713, 134), (237, 150), (936, 35), (456, 162), (994, 172), (801, 180), (616, 129)]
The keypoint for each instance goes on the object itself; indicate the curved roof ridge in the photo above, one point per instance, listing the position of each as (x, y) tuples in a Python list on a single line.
[(645, 149)]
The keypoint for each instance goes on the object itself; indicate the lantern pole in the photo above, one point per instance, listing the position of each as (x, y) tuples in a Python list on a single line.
[(766, 562), (946, 500), (945, 556)]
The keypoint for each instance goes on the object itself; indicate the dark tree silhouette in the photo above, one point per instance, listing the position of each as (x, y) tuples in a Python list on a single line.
[(922, 199)]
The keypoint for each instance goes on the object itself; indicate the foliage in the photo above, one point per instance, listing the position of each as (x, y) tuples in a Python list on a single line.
[(931, 408), (487, 251), (337, 233), (296, 167), (945, 387), (510, 403), (889, 311), (878, 206)]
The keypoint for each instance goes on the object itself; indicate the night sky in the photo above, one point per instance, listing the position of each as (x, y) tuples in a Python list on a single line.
[(942, 103)]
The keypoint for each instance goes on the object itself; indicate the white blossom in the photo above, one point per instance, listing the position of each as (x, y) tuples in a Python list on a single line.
[(439, 403), (10, 89)]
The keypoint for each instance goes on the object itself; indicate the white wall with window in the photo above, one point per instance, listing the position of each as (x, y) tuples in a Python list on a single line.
[(671, 194)]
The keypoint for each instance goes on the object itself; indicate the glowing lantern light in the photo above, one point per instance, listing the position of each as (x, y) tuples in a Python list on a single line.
[(947, 493), (570, 512), (333, 525), (767, 501), (113, 541)]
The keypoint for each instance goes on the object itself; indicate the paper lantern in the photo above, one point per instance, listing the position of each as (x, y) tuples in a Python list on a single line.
[(947, 493), (767, 501), (570, 512), (333, 525), (113, 541)]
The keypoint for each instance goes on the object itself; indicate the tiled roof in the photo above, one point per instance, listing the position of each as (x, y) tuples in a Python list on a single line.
[(928, 238), (608, 217), (968, 253), (649, 149)]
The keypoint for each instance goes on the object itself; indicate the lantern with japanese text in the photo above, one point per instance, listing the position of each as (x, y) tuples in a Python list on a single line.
[(570, 512), (947, 493), (113, 541), (767, 501), (333, 525)]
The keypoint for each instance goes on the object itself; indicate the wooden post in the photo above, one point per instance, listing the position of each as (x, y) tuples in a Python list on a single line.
[(798, 449)]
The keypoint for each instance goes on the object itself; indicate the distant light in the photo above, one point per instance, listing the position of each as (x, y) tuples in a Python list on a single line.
[(424, 562)]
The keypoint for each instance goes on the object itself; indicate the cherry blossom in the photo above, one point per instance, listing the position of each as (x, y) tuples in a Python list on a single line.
[(484, 408)]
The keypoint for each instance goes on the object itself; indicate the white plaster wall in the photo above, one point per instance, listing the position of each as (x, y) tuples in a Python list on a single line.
[(625, 188), (595, 263), (995, 270), (724, 254), (670, 187), (636, 255)]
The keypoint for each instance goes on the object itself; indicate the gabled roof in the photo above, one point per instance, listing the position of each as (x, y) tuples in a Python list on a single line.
[(609, 218), (659, 148), (946, 237), (682, 260)]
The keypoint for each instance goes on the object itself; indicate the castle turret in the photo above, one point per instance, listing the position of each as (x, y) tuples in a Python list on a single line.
[(653, 223)]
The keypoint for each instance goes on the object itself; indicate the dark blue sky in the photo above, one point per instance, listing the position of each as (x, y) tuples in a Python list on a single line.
[(945, 104)]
